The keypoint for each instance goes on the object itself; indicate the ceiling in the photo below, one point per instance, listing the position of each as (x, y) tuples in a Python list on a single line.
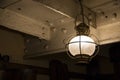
[(52, 22)]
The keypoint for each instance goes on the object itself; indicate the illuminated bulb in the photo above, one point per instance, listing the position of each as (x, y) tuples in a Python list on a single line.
[(81, 45)]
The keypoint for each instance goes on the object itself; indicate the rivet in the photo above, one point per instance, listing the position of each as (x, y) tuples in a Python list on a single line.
[(43, 28), (53, 29), (19, 9), (64, 30), (106, 17), (51, 24), (46, 46), (102, 15), (43, 34), (114, 16)]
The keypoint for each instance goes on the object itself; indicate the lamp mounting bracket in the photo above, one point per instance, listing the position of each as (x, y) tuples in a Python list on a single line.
[(82, 29)]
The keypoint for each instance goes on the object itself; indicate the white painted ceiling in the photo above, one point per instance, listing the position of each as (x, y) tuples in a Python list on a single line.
[(53, 20)]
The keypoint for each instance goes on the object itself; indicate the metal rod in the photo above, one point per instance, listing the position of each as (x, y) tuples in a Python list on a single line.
[(82, 11)]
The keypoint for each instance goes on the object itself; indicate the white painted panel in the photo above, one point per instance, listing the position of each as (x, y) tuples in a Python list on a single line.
[(24, 24), (109, 33)]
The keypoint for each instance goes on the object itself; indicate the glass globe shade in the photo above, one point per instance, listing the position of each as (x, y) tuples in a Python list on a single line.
[(81, 45)]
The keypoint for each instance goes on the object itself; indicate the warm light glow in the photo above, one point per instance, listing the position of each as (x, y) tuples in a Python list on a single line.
[(85, 43)]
